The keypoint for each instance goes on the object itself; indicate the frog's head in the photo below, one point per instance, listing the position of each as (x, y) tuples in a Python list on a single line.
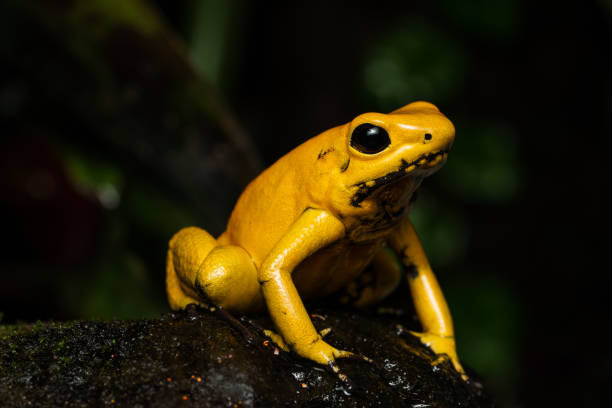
[(410, 142)]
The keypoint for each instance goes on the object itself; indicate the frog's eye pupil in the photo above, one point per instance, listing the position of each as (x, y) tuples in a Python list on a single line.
[(370, 139), (428, 136)]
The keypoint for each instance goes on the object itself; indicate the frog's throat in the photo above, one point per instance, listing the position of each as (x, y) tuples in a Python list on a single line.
[(428, 161)]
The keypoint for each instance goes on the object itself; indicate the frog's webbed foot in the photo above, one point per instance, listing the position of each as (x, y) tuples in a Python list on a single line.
[(444, 347)]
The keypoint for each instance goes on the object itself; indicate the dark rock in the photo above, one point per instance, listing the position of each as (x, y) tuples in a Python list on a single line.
[(195, 358)]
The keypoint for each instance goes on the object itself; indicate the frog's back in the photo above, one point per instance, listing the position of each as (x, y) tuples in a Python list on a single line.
[(272, 202)]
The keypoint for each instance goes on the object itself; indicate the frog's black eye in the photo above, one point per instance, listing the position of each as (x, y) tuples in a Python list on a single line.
[(370, 139)]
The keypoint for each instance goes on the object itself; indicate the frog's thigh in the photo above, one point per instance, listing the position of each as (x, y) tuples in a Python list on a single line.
[(186, 251), (386, 274), (201, 271), (176, 295), (228, 277)]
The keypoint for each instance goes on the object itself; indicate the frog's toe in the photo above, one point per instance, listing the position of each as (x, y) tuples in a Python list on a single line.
[(343, 354), (353, 356), (334, 368), (443, 358), (440, 358), (416, 334), (363, 358), (349, 355), (277, 339)]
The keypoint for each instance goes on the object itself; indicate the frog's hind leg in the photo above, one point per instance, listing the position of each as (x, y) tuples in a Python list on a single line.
[(176, 294), (186, 252), (376, 282), (228, 278), (201, 271)]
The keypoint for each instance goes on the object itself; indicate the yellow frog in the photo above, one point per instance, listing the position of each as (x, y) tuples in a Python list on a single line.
[(311, 223)]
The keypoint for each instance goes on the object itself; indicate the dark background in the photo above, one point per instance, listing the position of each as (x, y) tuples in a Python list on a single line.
[(113, 138)]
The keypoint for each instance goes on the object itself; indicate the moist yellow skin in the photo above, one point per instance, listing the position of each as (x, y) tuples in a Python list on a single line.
[(311, 223)]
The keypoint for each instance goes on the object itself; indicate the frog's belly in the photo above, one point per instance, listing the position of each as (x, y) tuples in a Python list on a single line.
[(333, 268)]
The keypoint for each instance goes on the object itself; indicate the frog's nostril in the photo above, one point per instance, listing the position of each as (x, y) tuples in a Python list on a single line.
[(428, 136)]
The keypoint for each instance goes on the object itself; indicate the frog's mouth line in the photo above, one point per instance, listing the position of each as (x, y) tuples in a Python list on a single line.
[(366, 188)]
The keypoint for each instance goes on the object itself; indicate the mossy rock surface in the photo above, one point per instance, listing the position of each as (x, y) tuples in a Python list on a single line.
[(196, 358)]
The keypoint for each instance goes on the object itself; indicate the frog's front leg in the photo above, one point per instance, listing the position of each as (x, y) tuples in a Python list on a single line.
[(313, 230), (429, 302)]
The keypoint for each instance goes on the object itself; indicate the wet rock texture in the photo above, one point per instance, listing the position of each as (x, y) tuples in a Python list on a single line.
[(196, 358)]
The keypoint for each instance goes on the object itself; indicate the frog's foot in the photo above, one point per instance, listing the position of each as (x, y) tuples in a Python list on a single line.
[(321, 352), (444, 347)]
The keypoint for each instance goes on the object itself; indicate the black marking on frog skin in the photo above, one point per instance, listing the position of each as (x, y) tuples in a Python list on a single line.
[(412, 271), (364, 191), (385, 218), (345, 165), (323, 153)]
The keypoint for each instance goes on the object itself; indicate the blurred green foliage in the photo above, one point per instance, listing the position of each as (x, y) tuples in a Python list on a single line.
[(413, 61), (486, 313), (136, 14), (485, 163), (94, 176), (442, 229), (121, 285), (607, 4), (118, 287), (210, 35), (497, 20)]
